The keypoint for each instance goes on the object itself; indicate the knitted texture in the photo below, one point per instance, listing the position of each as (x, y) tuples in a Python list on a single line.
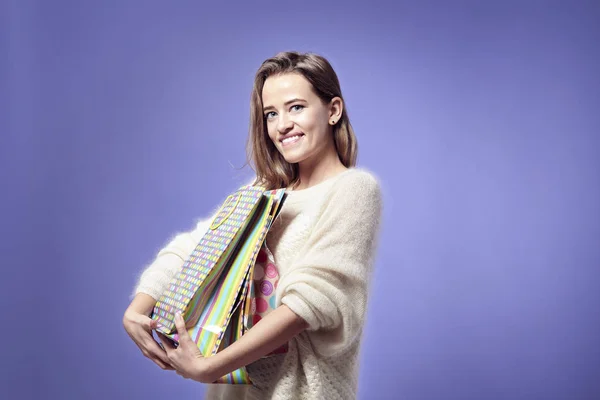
[(323, 242)]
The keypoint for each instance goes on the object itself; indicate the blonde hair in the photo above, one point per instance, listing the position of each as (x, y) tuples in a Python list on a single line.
[(272, 170)]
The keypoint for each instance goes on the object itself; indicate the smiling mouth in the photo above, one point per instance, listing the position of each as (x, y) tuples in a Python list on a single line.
[(291, 139)]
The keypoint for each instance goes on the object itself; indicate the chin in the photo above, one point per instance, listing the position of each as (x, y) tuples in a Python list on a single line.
[(299, 156), (293, 160)]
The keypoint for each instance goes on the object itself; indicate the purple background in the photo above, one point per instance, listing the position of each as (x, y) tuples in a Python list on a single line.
[(120, 121)]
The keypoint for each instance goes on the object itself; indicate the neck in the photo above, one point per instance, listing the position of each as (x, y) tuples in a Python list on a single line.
[(313, 172)]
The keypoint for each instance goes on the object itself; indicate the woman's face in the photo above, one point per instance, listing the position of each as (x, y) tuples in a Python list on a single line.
[(297, 120)]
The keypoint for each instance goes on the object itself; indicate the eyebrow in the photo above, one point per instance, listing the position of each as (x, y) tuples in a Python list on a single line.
[(286, 103)]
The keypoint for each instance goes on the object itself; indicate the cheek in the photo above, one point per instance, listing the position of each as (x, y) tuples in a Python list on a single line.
[(271, 132), (308, 121)]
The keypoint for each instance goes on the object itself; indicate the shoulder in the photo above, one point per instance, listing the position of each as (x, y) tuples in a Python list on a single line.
[(358, 181), (354, 202), (355, 190)]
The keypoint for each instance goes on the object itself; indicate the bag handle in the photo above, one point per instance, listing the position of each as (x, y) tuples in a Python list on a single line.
[(230, 197)]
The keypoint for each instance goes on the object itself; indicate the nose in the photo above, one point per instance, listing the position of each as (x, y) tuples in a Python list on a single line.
[(284, 123)]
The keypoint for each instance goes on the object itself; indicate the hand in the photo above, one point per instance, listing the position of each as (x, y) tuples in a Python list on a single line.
[(186, 358), (139, 328)]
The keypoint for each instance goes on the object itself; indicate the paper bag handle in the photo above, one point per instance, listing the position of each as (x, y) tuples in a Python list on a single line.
[(239, 197)]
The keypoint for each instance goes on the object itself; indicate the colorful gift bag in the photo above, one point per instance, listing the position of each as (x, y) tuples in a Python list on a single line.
[(265, 276), (211, 289)]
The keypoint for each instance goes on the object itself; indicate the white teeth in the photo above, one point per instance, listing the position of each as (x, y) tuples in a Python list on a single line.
[(291, 139)]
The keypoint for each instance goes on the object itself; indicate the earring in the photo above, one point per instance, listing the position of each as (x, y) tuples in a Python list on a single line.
[(332, 121)]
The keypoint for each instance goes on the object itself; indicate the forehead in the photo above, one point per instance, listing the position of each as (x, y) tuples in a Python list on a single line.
[(279, 88)]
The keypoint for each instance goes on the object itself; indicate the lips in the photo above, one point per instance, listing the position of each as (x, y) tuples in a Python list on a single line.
[(290, 136), (291, 140)]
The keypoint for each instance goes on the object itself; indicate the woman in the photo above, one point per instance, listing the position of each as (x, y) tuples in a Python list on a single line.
[(323, 243)]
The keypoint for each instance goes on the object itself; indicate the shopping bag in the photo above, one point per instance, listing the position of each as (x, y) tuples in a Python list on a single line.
[(211, 289), (262, 300)]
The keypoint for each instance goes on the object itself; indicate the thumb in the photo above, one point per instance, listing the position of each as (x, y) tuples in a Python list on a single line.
[(181, 329), (149, 323)]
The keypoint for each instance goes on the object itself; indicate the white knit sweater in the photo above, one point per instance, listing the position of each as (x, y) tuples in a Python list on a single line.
[(323, 241)]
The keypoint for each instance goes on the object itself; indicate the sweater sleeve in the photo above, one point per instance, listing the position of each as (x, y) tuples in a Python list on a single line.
[(327, 285)]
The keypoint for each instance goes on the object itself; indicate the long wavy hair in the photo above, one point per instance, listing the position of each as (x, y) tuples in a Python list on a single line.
[(272, 170)]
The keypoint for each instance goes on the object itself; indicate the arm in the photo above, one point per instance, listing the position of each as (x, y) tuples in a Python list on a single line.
[(275, 329), (328, 285), (142, 303), (136, 319)]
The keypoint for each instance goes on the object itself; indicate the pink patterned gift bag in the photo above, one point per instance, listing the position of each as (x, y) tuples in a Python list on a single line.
[(262, 288)]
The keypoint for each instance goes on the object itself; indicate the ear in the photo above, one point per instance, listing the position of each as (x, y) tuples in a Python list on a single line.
[(336, 106)]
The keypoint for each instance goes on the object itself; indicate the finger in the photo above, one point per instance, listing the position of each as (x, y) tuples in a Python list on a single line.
[(166, 342), (156, 352), (150, 324), (155, 359), (163, 365), (181, 375), (181, 329), (146, 322)]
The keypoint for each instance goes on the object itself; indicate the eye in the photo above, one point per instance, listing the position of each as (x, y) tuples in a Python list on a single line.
[(292, 107)]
